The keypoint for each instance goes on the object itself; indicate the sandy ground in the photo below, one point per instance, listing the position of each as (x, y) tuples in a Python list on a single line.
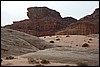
[(19, 61), (68, 52), (72, 40)]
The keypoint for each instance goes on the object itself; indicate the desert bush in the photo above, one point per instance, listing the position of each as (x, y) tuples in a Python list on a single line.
[(31, 60), (82, 64), (85, 45), (51, 41), (43, 61), (9, 57)]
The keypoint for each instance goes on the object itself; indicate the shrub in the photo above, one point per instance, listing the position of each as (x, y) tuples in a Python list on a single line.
[(85, 45), (10, 57), (31, 60), (43, 61), (51, 41)]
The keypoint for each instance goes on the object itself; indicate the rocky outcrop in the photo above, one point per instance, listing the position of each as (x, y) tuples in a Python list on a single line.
[(84, 26), (42, 21), (17, 43), (68, 20)]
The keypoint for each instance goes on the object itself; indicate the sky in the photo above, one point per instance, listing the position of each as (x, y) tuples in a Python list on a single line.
[(17, 10)]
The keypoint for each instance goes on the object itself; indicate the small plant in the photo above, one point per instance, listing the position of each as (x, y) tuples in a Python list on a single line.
[(82, 64), (31, 60), (85, 45), (51, 41), (43, 61), (9, 57)]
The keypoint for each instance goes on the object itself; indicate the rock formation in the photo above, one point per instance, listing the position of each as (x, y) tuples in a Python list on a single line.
[(42, 21), (84, 26), (17, 43)]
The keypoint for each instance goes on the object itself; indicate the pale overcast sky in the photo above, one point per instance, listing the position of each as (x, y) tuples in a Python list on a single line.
[(17, 10)]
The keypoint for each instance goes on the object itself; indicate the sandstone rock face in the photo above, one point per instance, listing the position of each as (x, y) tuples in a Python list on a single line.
[(93, 18), (86, 25), (42, 21), (17, 43), (83, 28), (41, 12), (68, 20)]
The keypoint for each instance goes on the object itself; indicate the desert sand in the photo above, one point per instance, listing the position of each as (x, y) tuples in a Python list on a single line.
[(64, 50), (73, 40)]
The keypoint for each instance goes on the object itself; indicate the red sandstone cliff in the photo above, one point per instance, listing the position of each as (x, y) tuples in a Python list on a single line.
[(42, 21), (86, 25)]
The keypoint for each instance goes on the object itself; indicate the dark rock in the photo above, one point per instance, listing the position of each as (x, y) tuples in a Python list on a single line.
[(51, 41), (85, 45)]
